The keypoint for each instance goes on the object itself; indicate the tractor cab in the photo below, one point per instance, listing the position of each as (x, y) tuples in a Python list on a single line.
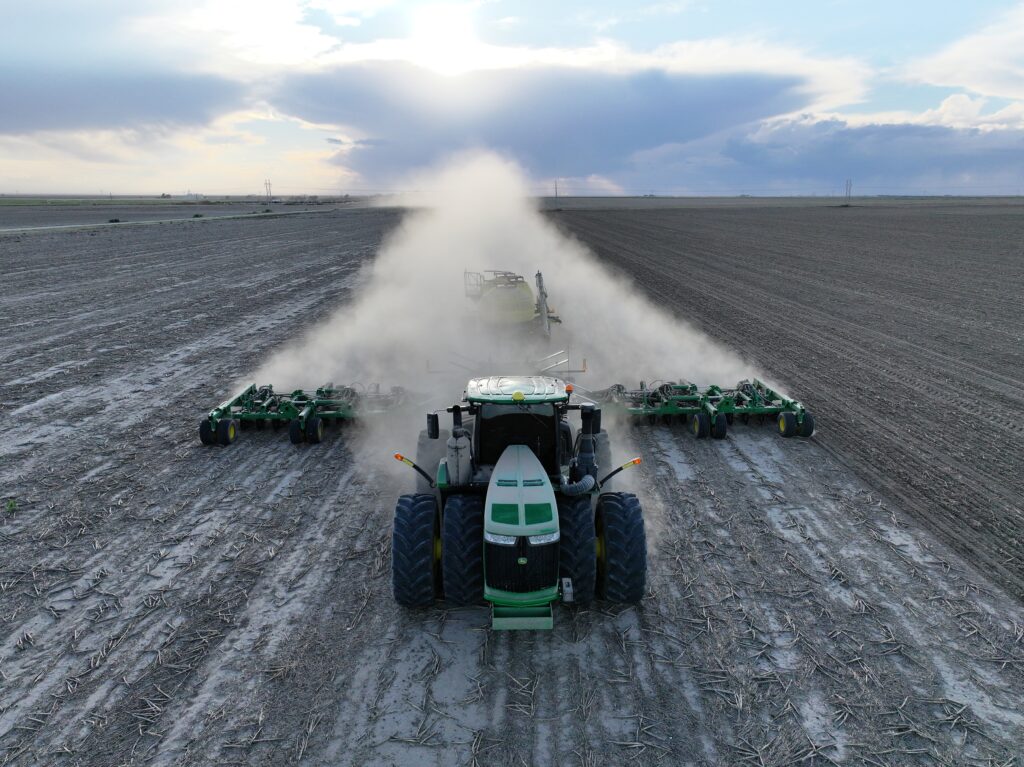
[(527, 410)]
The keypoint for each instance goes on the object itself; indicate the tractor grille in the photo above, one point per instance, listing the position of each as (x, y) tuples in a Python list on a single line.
[(504, 572)]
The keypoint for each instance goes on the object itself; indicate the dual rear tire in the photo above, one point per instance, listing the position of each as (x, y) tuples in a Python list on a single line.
[(605, 554), (431, 556), (788, 426), (312, 433), (224, 433), (703, 426)]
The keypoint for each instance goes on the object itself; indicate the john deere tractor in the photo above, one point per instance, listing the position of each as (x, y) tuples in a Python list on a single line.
[(512, 511)]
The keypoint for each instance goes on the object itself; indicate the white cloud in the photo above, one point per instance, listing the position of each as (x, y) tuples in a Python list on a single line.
[(229, 156), (237, 38), (989, 62), (348, 12), (253, 39), (960, 111)]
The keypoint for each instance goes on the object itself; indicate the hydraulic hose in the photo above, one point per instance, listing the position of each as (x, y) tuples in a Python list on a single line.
[(584, 485)]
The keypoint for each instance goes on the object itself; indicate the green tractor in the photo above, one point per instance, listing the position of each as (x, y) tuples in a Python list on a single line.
[(514, 514)]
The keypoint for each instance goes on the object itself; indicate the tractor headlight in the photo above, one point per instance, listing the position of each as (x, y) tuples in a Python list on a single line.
[(500, 540), (540, 540)]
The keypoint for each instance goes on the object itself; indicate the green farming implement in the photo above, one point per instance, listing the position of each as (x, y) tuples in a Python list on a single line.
[(305, 414), (710, 411), (504, 300), (512, 512)]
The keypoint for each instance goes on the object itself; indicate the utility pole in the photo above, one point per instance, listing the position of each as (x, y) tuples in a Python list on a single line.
[(266, 185), (849, 190), (556, 188)]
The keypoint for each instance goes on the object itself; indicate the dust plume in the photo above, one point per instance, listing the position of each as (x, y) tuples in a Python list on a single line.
[(410, 323)]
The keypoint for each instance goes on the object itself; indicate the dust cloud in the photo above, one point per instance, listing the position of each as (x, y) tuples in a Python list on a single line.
[(410, 323)]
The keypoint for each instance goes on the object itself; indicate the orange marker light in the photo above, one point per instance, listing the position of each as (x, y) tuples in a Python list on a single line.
[(569, 388)]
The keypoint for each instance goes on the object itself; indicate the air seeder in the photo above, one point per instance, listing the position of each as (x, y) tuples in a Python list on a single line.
[(504, 300), (514, 513), (710, 411), (305, 413)]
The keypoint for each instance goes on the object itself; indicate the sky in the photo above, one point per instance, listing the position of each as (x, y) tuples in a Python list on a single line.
[(685, 97)]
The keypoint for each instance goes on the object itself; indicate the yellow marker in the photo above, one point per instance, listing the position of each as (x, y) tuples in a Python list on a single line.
[(518, 396), (403, 459)]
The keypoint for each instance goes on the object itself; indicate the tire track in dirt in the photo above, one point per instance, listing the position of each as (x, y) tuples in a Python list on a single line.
[(918, 392), (165, 603)]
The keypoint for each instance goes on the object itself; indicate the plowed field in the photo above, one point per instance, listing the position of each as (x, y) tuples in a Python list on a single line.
[(834, 600)]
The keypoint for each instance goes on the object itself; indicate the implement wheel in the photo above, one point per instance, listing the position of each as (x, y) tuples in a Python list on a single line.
[(577, 548), (719, 426), (787, 424), (227, 431), (807, 427), (295, 432), (462, 549), (206, 433), (700, 425), (622, 548), (314, 430), (414, 547)]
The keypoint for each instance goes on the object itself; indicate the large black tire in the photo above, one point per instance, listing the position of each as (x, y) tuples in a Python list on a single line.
[(700, 425), (719, 426), (462, 549), (295, 433), (429, 453), (622, 547), (577, 558), (314, 430), (414, 571), (787, 424), (227, 431), (206, 434), (807, 427)]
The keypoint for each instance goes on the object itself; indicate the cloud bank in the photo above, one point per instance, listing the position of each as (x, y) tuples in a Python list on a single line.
[(304, 88)]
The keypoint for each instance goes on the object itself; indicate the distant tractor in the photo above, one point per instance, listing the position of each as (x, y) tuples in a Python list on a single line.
[(513, 513), (505, 300)]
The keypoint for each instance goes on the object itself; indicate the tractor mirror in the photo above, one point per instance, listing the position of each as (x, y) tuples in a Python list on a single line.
[(433, 429), (596, 422)]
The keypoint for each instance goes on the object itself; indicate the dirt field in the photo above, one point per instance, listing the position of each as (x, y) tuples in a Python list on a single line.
[(94, 213), (165, 603), (902, 325)]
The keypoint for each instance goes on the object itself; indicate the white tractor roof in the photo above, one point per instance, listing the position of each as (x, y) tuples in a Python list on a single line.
[(510, 389)]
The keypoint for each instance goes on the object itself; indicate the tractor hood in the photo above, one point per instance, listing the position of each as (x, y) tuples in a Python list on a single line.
[(520, 499)]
